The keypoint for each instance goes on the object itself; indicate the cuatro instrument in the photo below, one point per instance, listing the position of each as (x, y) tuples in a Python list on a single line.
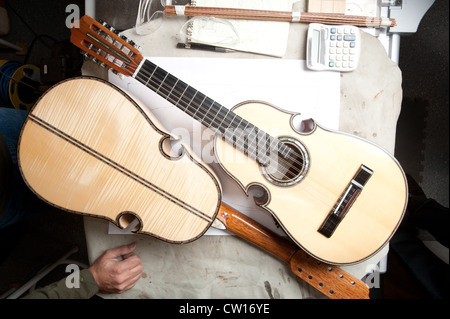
[(339, 197)]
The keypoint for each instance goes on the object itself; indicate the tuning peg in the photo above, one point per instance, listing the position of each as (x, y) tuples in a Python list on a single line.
[(106, 25)]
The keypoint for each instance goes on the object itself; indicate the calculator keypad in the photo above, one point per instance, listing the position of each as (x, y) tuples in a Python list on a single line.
[(342, 48)]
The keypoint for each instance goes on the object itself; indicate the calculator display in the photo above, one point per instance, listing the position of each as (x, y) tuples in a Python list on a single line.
[(315, 46)]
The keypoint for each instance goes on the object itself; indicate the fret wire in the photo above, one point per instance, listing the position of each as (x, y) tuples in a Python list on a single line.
[(213, 119), (218, 113), (157, 91), (207, 112), (187, 97), (168, 95), (159, 75), (234, 117), (180, 101), (185, 104), (200, 105), (225, 117), (256, 135), (240, 144), (257, 138), (150, 77), (182, 94), (243, 130)]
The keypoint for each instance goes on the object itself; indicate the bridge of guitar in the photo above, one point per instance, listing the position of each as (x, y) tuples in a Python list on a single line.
[(345, 201)]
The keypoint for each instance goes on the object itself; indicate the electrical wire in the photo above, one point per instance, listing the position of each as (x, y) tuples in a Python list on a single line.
[(6, 73)]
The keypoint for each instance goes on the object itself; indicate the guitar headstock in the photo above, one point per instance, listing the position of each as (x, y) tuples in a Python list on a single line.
[(103, 44)]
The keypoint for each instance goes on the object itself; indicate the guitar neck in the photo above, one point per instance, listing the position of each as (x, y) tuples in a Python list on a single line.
[(208, 112), (328, 279)]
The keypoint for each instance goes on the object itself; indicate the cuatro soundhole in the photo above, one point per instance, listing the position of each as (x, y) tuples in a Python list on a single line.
[(288, 166)]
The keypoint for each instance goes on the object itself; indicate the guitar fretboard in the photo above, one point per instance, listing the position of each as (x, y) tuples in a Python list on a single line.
[(236, 130)]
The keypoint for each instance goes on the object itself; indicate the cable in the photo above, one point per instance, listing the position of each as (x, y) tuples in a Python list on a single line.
[(6, 73)]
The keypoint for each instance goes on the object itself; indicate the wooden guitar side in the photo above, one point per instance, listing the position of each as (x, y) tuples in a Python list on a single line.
[(88, 148)]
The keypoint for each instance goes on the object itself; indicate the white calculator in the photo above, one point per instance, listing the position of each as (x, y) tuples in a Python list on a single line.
[(333, 47)]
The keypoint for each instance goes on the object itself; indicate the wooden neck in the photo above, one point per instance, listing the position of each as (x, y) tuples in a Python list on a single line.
[(328, 279), (208, 112)]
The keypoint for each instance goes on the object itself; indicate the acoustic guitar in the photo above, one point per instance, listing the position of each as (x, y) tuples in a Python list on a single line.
[(339, 197)]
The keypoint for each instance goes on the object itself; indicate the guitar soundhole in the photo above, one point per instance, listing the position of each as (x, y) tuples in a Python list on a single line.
[(289, 166)]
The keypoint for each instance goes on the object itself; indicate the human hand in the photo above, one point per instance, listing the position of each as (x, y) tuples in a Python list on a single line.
[(114, 275)]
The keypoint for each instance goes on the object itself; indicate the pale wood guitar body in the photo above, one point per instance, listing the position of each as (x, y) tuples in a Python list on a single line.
[(86, 147), (301, 208)]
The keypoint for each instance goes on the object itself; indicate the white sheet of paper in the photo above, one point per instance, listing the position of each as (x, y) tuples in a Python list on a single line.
[(286, 84)]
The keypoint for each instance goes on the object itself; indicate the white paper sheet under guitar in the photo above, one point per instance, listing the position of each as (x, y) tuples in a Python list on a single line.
[(286, 84)]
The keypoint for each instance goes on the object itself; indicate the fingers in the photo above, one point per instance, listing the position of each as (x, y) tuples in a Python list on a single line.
[(122, 250), (128, 278), (128, 284), (116, 275)]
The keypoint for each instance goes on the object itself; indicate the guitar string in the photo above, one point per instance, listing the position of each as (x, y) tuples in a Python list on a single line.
[(313, 194), (288, 169), (157, 86), (200, 107), (205, 112)]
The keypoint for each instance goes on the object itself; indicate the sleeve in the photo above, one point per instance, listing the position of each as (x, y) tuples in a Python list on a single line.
[(61, 290)]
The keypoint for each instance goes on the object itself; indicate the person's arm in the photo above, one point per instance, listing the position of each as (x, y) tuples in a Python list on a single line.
[(116, 271), (59, 290)]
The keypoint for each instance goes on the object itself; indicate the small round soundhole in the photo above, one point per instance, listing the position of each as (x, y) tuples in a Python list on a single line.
[(289, 165)]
